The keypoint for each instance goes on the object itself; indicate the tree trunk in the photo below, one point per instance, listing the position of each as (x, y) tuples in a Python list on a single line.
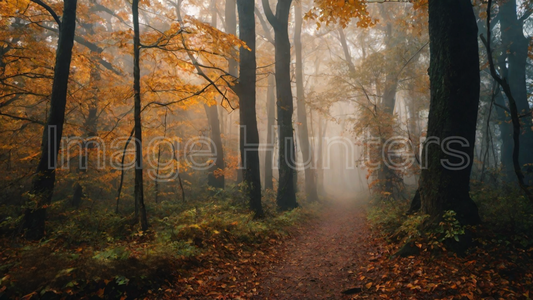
[(388, 177), (322, 128), (231, 28), (215, 178), (271, 106), (90, 129), (506, 135), (454, 75), (346, 50), (230, 15), (249, 136), (310, 174), (44, 180), (286, 196), (516, 49), (139, 192)]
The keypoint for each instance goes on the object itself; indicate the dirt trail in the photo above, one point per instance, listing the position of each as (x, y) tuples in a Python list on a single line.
[(321, 261)]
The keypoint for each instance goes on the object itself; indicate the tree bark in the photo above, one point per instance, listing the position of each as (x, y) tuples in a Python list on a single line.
[(44, 180), (310, 174), (286, 196), (454, 82), (139, 189), (249, 136)]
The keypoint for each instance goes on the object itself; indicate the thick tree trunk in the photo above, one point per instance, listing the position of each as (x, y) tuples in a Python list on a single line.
[(44, 180), (286, 197), (249, 136), (139, 189), (310, 174), (454, 74), (271, 116)]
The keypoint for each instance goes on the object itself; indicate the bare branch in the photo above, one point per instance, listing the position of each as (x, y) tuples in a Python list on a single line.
[(268, 34), (50, 10), (512, 107), (272, 19)]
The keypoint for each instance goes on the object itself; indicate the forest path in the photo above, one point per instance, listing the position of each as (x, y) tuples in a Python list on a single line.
[(321, 261)]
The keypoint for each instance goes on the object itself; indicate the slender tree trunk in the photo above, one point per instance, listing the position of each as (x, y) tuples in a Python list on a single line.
[(286, 197), (44, 180), (271, 111), (388, 176), (215, 178), (249, 136), (139, 189), (506, 135), (90, 129), (512, 109), (516, 50), (310, 174), (231, 28), (322, 128), (455, 80), (159, 160), (346, 50)]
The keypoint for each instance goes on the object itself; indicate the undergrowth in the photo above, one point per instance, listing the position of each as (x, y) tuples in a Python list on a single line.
[(505, 212), (418, 260), (95, 252)]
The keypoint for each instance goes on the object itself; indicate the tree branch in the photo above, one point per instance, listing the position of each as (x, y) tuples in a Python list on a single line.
[(91, 46), (21, 118), (272, 19), (268, 35), (50, 10), (512, 107)]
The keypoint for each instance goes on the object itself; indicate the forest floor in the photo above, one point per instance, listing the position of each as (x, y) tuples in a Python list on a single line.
[(319, 262), (334, 250), (338, 256)]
